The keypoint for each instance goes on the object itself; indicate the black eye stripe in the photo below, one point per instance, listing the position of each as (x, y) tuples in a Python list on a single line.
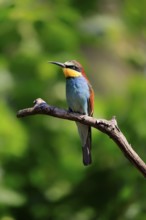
[(73, 68)]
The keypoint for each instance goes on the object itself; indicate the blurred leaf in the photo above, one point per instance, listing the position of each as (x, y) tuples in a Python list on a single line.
[(11, 198), (13, 136)]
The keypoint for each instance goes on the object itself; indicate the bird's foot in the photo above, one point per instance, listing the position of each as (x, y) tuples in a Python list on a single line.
[(70, 110)]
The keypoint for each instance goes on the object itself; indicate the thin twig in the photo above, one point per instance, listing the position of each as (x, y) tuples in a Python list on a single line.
[(108, 127)]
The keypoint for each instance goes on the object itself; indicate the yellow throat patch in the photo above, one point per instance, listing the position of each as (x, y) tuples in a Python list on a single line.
[(71, 73)]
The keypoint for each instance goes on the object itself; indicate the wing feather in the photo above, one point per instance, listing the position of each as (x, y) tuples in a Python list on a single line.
[(91, 101)]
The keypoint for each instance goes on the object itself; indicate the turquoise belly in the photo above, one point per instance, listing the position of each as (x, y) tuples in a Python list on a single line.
[(77, 94)]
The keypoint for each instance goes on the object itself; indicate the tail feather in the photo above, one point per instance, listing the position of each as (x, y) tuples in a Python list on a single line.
[(86, 149), (85, 135)]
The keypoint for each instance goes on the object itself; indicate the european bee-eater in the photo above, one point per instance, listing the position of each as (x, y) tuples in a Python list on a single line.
[(80, 99)]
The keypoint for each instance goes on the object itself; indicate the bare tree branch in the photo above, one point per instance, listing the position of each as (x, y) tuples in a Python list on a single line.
[(108, 127)]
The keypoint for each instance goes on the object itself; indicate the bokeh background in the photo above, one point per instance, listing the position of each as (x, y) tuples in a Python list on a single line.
[(41, 172)]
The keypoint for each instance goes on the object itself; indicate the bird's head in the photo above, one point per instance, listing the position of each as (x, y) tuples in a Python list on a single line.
[(71, 68)]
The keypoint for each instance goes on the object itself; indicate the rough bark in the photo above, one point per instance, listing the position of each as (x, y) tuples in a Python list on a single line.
[(108, 127)]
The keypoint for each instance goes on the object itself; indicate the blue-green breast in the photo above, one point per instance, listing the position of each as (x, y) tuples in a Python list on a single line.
[(77, 94)]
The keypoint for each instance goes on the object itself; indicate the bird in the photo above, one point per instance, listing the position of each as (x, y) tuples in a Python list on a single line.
[(80, 99)]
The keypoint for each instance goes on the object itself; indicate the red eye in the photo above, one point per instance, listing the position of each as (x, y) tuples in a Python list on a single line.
[(73, 68)]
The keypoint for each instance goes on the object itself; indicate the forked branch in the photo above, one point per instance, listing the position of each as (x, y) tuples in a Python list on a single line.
[(108, 127)]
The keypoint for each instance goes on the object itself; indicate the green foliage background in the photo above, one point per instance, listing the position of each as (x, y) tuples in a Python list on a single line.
[(41, 171)]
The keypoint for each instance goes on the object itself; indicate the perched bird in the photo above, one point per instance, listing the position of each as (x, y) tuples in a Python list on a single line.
[(80, 99)]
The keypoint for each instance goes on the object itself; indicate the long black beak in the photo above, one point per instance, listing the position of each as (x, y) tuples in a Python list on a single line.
[(57, 63)]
